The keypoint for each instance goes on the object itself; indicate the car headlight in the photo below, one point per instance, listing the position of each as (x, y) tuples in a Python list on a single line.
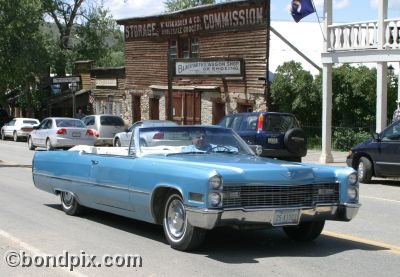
[(215, 182), (352, 179), (352, 193), (214, 198)]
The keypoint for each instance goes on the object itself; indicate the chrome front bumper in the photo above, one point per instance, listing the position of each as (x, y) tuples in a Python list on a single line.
[(208, 219)]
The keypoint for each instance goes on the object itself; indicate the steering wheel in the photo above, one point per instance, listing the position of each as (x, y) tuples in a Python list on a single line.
[(219, 146)]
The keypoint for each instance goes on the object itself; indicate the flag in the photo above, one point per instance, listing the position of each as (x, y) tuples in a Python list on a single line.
[(91, 98), (301, 8)]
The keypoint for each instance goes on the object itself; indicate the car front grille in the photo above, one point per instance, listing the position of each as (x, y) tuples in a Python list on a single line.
[(273, 196)]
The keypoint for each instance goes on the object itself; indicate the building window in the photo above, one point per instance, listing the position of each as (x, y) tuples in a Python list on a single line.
[(184, 48)]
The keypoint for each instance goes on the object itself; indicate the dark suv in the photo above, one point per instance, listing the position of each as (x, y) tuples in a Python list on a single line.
[(279, 134), (378, 156)]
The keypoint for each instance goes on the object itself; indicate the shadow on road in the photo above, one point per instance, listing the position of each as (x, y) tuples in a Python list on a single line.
[(386, 182), (15, 165), (232, 246)]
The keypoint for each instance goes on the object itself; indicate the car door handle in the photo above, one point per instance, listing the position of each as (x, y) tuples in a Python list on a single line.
[(95, 162)]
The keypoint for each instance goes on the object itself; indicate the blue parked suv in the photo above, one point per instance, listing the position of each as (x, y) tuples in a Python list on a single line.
[(378, 156), (279, 134)]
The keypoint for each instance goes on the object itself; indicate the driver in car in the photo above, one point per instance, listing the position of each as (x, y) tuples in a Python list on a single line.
[(199, 143)]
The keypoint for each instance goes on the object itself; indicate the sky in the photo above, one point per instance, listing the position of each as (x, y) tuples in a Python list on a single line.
[(343, 10)]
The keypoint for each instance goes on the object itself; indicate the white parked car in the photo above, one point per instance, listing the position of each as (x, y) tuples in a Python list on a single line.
[(18, 128), (60, 132), (105, 126), (123, 138)]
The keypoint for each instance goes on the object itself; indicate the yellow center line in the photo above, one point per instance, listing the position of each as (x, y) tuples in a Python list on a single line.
[(390, 247)]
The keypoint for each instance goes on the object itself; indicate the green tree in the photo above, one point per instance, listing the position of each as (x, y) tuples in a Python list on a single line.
[(100, 39), (23, 55), (293, 90), (85, 31), (354, 95), (176, 5)]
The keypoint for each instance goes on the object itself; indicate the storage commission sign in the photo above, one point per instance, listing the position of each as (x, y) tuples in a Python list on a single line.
[(208, 67), (217, 18)]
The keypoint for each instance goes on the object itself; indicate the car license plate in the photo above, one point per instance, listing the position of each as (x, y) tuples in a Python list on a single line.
[(76, 134), (286, 217), (272, 140)]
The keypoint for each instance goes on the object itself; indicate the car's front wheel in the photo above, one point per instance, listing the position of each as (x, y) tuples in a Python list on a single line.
[(305, 231), (30, 144), (180, 234), (3, 137), (15, 136), (69, 204), (364, 170)]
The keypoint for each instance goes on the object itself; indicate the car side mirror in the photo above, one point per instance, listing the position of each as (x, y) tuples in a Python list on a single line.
[(35, 127), (376, 136), (257, 149)]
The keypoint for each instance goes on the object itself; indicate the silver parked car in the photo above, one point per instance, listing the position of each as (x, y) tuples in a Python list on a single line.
[(60, 132), (18, 128), (105, 126), (123, 138)]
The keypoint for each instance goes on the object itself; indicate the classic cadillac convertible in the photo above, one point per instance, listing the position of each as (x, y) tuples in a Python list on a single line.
[(192, 179)]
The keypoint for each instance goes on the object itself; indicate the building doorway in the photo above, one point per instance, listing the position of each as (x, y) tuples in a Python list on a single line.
[(154, 109), (136, 111), (186, 107), (218, 111), (244, 107)]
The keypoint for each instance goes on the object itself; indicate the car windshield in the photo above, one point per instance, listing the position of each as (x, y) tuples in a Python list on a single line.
[(70, 123), (111, 121), (183, 140)]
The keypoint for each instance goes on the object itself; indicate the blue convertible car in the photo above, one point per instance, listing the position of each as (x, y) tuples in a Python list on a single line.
[(191, 179)]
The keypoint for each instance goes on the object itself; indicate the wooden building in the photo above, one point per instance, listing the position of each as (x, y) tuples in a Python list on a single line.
[(210, 35)]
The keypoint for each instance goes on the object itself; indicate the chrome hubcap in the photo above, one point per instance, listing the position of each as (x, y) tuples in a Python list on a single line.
[(176, 218), (360, 170), (67, 198)]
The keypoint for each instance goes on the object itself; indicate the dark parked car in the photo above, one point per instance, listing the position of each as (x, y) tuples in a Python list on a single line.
[(279, 134), (378, 156)]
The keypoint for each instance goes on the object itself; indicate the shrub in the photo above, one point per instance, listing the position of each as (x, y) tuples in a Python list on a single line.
[(343, 139)]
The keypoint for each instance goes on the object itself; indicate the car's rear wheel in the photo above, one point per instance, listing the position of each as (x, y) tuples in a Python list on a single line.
[(3, 137), (15, 136), (180, 234), (30, 144), (48, 145), (69, 204), (364, 170), (305, 231), (117, 142)]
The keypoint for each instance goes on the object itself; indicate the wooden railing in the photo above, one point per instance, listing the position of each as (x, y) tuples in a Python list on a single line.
[(363, 35)]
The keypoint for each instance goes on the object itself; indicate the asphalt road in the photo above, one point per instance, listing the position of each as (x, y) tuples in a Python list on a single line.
[(32, 224)]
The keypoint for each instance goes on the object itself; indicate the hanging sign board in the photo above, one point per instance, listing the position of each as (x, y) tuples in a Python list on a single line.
[(218, 67), (66, 79)]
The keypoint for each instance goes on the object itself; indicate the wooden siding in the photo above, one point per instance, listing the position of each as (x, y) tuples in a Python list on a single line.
[(146, 60), (85, 79)]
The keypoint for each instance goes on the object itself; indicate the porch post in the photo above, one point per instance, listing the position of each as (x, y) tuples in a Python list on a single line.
[(326, 155), (381, 70)]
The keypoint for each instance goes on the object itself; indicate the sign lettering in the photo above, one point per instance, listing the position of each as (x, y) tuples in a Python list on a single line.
[(219, 18)]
